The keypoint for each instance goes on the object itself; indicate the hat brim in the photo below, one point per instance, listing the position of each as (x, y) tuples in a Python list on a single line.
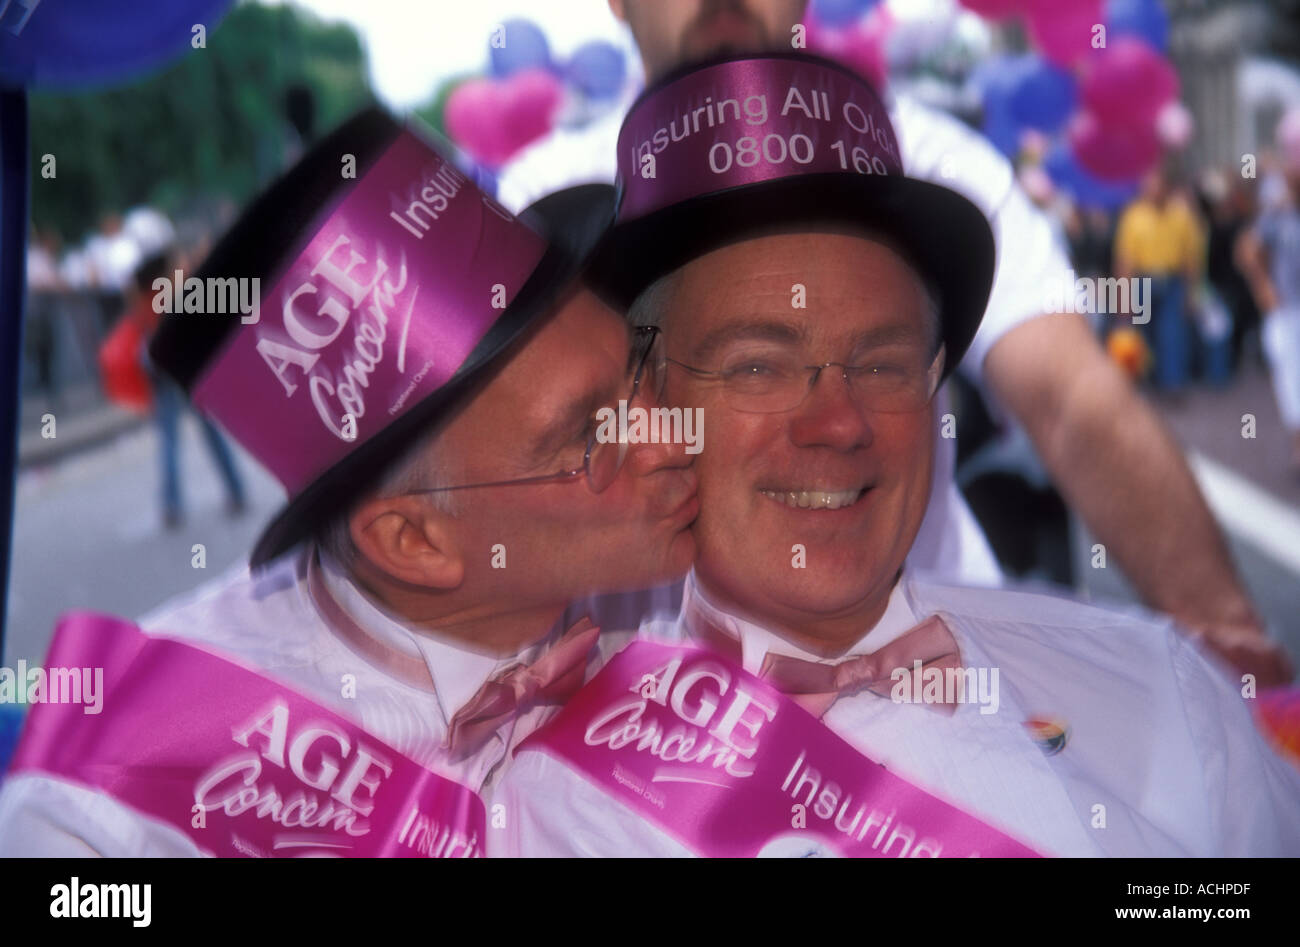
[(945, 236), (573, 221)]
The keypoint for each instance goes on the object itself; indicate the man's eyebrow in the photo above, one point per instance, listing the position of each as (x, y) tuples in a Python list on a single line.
[(562, 426), (564, 422), (887, 335), (760, 330)]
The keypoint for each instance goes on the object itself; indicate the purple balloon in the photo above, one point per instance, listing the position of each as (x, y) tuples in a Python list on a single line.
[(1086, 190), (1062, 29), (1130, 82), (996, 79), (525, 47), (597, 68), (1042, 96), (82, 42), (1113, 151), (1145, 19), (837, 13), (995, 9)]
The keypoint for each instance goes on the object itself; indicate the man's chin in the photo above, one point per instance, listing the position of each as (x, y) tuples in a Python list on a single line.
[(787, 594), (726, 49)]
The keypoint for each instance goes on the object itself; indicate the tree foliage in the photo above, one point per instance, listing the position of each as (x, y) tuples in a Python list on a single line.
[(208, 127)]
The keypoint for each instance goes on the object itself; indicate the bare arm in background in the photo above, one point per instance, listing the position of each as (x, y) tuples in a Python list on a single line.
[(1117, 464)]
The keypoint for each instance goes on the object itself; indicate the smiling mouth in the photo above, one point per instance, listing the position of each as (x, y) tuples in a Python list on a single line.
[(816, 499)]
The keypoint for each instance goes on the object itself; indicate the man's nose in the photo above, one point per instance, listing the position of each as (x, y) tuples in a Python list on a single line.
[(831, 416)]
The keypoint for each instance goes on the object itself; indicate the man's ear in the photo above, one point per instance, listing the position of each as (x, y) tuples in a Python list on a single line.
[(616, 8), (408, 539)]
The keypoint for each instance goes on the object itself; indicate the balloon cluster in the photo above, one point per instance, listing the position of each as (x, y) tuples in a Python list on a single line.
[(853, 32), (1098, 85), (494, 117)]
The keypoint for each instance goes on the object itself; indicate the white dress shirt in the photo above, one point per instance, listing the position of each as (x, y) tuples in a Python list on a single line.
[(936, 147), (1162, 757), (268, 621)]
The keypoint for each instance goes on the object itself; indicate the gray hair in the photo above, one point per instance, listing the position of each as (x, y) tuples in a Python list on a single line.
[(423, 465), (651, 306)]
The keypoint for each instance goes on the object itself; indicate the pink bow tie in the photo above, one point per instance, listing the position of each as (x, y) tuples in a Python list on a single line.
[(816, 687), (552, 678)]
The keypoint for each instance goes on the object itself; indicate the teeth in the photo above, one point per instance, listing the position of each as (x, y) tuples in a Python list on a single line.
[(814, 499)]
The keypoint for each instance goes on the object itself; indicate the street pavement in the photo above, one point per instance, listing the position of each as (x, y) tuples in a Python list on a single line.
[(88, 532)]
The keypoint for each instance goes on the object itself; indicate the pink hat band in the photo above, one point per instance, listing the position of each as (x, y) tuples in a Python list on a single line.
[(385, 302), (746, 121)]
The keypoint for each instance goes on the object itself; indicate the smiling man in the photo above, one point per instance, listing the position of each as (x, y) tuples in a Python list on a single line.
[(812, 297), (797, 458), (1129, 483), (429, 398)]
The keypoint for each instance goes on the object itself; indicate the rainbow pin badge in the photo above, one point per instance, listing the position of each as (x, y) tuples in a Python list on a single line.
[(1050, 733)]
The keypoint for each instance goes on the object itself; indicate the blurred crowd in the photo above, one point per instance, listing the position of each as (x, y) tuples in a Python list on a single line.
[(90, 315), (1222, 253)]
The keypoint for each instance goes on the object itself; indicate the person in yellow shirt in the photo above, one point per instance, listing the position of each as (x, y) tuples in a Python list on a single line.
[(1160, 238)]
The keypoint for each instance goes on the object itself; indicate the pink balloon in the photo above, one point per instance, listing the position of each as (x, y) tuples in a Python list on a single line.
[(1128, 82), (1113, 151), (494, 119), (1175, 126), (995, 9), (1062, 29), (860, 46)]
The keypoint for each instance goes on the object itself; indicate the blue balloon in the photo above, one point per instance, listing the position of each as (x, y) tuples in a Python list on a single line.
[(995, 79), (1042, 96), (1087, 190), (1001, 129), (524, 47), (1145, 19), (597, 68), (79, 42), (835, 13), (11, 725)]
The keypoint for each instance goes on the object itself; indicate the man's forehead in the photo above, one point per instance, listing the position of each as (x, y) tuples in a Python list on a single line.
[(840, 258), (796, 287), (809, 331)]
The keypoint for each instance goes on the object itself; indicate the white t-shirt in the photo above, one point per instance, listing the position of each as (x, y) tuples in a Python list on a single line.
[(1161, 756), (935, 147), (268, 620)]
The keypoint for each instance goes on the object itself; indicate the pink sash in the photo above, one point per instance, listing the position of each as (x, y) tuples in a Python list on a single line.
[(733, 768), (241, 764)]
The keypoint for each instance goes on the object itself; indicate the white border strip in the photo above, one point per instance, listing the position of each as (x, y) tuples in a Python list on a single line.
[(1248, 512)]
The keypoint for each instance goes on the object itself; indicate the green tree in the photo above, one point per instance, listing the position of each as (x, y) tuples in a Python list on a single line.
[(209, 127)]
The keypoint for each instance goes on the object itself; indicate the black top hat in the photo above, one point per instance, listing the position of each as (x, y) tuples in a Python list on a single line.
[(390, 292), (745, 145)]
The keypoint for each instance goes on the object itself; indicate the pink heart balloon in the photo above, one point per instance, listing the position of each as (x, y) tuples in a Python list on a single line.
[(1113, 151), (494, 119), (1062, 30), (1128, 82)]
